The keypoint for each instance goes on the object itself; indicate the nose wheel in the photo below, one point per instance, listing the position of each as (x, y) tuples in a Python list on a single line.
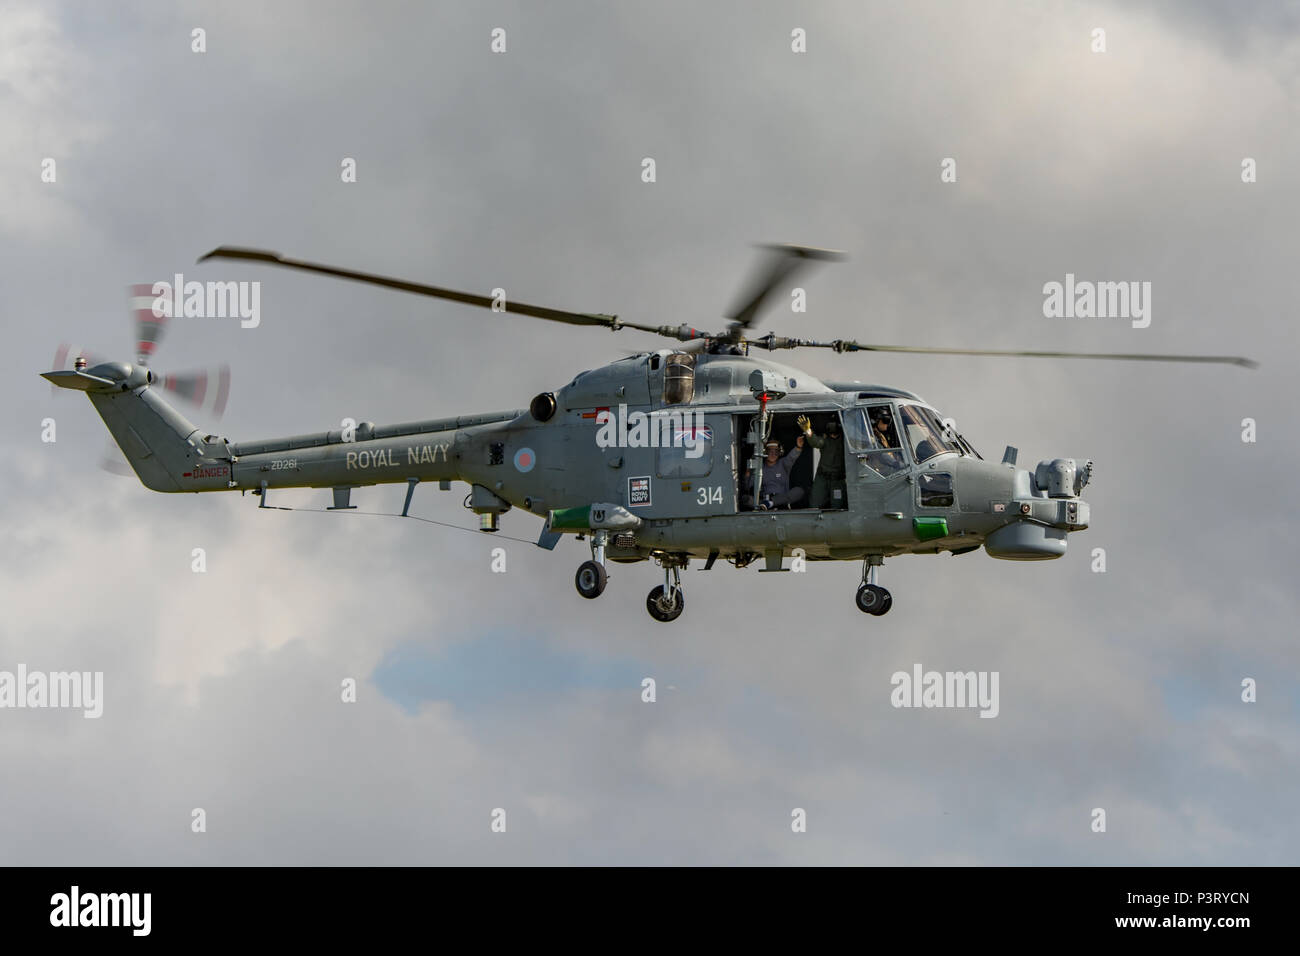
[(874, 599), (871, 597), (666, 602)]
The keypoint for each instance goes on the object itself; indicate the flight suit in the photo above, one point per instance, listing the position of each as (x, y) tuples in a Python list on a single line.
[(830, 472), (776, 483)]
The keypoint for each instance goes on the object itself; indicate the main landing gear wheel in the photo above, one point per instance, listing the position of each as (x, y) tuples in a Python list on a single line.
[(666, 602), (874, 599), (665, 609), (590, 579)]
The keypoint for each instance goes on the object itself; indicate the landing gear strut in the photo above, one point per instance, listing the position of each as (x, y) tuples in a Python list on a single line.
[(666, 602), (591, 577), (872, 598)]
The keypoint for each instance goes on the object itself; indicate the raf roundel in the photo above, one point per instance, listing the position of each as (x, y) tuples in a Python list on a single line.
[(525, 459)]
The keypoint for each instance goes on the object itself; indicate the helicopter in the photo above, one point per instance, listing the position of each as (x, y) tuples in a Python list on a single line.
[(699, 451)]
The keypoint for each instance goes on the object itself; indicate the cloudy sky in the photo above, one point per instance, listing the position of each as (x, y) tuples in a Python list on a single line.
[(1119, 690)]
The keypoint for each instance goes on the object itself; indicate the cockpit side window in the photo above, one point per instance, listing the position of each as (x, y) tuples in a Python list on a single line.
[(880, 420), (874, 437), (925, 433), (855, 430)]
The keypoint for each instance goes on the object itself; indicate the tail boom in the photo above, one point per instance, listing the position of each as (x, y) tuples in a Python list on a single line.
[(169, 454)]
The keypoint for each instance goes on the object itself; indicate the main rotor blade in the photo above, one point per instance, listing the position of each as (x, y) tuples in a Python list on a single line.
[(420, 288), (843, 346), (779, 268)]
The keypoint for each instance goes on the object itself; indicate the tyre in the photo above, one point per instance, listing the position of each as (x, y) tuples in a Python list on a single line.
[(871, 599), (590, 579), (660, 610)]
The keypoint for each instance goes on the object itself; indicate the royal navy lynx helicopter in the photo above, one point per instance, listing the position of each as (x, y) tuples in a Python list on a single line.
[(659, 455)]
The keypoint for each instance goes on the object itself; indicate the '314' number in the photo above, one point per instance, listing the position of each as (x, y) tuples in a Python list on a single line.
[(709, 495)]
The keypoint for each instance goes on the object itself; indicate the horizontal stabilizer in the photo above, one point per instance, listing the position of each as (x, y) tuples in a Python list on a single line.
[(81, 381)]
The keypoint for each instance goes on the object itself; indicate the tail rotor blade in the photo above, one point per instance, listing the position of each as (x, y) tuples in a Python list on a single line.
[(115, 462), (65, 358), (149, 327), (207, 389)]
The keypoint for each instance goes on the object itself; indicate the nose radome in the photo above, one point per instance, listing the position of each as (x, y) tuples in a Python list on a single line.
[(1023, 541)]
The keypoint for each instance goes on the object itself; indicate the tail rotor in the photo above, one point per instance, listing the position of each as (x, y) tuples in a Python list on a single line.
[(205, 391)]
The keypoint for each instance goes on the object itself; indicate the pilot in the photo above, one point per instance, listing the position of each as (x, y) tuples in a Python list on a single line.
[(828, 488), (776, 491), (884, 436), (882, 428)]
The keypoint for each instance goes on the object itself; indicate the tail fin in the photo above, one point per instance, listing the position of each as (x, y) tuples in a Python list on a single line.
[(158, 441)]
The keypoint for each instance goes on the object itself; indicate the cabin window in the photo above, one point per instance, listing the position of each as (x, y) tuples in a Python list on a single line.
[(685, 449), (679, 378)]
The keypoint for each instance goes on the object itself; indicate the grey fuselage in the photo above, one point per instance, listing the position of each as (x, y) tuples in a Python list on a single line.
[(588, 451)]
